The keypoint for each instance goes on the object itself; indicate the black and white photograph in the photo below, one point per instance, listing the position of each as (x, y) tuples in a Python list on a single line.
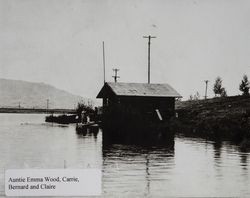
[(124, 98)]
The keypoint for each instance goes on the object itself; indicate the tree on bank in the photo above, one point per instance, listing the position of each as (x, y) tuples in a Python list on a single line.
[(244, 86), (218, 89), (81, 106), (196, 96), (223, 92)]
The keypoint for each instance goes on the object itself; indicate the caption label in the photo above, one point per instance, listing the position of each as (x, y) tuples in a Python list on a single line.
[(53, 182)]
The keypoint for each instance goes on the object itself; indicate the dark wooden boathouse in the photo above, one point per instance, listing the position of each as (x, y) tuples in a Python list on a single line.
[(136, 108), (143, 97)]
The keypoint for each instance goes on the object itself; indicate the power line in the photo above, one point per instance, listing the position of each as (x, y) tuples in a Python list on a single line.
[(116, 76), (103, 57), (47, 105), (149, 39), (206, 81)]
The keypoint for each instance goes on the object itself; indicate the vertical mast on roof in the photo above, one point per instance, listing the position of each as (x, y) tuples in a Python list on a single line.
[(149, 39)]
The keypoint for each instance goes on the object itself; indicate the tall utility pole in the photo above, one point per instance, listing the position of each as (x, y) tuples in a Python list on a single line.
[(149, 39), (103, 58), (47, 105), (206, 81), (115, 76)]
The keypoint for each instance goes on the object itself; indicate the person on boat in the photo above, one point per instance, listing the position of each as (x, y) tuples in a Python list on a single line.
[(87, 118), (84, 117)]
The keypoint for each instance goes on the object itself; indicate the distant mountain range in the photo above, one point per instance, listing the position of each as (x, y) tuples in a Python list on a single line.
[(34, 95)]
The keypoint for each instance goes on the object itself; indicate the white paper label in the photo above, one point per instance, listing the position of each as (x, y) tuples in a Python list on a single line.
[(53, 182)]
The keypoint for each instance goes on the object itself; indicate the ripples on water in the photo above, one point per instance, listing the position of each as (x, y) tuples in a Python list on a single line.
[(184, 167)]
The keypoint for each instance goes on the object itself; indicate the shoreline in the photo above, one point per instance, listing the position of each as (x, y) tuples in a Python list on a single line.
[(36, 110), (224, 118)]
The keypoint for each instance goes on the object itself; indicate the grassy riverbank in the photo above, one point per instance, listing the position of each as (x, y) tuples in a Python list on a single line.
[(217, 118)]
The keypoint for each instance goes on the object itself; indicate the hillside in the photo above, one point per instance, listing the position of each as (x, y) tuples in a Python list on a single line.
[(35, 95)]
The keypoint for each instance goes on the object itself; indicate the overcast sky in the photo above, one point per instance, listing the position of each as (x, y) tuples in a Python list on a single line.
[(59, 42)]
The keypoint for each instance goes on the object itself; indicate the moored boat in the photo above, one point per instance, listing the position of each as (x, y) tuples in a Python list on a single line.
[(62, 119)]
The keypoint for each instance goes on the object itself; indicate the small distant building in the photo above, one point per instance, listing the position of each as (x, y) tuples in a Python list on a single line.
[(148, 99)]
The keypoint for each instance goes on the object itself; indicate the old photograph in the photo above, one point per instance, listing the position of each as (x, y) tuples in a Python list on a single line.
[(149, 98)]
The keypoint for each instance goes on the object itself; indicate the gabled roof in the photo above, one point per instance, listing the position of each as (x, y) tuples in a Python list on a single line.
[(138, 89)]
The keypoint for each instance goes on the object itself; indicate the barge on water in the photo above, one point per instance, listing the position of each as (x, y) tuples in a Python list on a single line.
[(62, 119), (137, 111)]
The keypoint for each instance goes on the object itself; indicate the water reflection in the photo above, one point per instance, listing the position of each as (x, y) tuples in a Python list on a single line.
[(217, 149), (243, 160), (154, 170), (82, 132), (131, 169), (182, 167), (217, 145)]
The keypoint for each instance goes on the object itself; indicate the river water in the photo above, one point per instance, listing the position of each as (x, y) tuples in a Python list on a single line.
[(187, 167)]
